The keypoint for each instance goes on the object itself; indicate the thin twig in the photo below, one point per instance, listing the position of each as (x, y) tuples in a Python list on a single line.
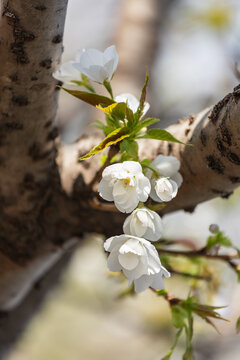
[(198, 253), (192, 276), (96, 204)]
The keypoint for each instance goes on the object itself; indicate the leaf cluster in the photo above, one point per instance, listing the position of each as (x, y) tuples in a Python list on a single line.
[(122, 125), (182, 318)]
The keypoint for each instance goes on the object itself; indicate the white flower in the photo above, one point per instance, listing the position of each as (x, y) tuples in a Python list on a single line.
[(166, 187), (67, 73), (96, 65), (132, 102), (125, 184), (144, 223), (138, 259)]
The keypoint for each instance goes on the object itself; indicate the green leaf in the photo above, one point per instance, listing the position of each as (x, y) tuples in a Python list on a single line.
[(218, 239), (188, 355), (100, 125), (179, 315), (143, 97), (160, 134), (206, 312), (145, 123), (238, 325), (103, 159), (130, 147), (114, 137), (130, 118), (92, 99)]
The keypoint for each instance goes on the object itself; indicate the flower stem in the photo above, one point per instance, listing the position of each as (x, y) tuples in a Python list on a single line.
[(109, 88)]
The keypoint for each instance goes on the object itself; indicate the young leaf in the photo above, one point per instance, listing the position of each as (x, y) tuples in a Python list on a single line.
[(130, 118), (130, 146), (145, 123), (103, 159), (143, 96), (146, 162), (114, 137), (100, 125), (116, 109), (218, 239), (90, 98), (160, 134), (179, 315)]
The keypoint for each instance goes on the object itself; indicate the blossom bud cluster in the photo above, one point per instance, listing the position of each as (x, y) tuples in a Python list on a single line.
[(126, 185)]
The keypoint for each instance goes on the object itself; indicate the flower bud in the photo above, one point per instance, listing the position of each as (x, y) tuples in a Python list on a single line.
[(214, 228)]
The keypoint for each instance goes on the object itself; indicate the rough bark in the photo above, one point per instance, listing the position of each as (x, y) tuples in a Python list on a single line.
[(211, 168), (30, 47)]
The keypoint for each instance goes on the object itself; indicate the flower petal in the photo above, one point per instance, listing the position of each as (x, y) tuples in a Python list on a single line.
[(167, 165), (165, 272), (115, 241), (128, 261), (105, 190), (177, 178), (112, 261), (132, 167), (111, 54), (154, 264), (157, 281), (144, 188), (142, 283), (67, 73)]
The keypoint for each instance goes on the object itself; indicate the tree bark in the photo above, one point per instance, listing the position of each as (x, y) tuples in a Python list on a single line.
[(30, 46)]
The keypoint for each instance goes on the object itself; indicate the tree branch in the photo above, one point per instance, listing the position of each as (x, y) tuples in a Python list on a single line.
[(211, 167)]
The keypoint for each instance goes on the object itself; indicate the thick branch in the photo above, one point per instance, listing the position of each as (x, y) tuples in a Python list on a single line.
[(211, 167)]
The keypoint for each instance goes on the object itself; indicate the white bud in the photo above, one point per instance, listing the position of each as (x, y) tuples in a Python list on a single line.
[(144, 223), (214, 228)]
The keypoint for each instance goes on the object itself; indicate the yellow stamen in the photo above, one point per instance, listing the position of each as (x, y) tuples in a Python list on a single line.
[(126, 182)]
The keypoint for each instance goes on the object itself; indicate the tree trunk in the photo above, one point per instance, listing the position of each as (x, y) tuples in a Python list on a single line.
[(30, 47)]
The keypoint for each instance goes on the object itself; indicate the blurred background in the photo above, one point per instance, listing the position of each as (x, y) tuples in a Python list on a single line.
[(192, 52)]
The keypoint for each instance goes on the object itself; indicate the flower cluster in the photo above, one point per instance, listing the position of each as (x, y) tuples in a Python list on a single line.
[(127, 183)]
